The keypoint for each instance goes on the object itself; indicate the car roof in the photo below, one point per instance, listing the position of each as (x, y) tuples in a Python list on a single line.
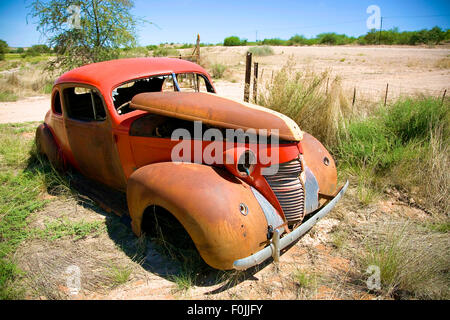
[(108, 74)]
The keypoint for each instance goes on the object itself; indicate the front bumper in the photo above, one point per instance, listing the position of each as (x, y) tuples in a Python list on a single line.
[(277, 244)]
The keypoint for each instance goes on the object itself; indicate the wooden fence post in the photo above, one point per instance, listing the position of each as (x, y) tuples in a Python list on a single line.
[(385, 96), (248, 70), (255, 81), (197, 46), (354, 97), (443, 97)]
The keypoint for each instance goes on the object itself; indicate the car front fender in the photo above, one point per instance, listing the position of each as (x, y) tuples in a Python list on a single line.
[(208, 202)]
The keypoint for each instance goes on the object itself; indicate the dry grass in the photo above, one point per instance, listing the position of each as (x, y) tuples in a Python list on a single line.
[(316, 101), (413, 262), (102, 266), (28, 80), (443, 63)]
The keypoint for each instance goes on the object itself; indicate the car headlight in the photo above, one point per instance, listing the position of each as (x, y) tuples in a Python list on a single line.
[(246, 163)]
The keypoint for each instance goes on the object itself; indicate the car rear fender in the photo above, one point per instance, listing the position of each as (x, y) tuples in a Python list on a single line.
[(46, 144)]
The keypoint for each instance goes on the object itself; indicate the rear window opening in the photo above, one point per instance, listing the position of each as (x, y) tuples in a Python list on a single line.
[(184, 82)]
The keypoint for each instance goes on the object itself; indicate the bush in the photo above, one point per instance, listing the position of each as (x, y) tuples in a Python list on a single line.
[(164, 52), (217, 70), (298, 39), (275, 42), (261, 51), (36, 50), (433, 36), (234, 41), (334, 39), (151, 47)]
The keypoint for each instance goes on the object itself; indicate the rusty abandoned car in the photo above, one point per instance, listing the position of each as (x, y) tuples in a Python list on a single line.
[(115, 122)]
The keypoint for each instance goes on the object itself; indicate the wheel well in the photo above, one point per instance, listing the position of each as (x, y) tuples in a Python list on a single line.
[(161, 226)]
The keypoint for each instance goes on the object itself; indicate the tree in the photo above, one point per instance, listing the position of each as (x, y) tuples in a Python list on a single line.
[(83, 32), (234, 41), (3, 49), (436, 35)]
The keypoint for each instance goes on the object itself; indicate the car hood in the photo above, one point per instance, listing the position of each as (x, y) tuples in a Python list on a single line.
[(217, 111)]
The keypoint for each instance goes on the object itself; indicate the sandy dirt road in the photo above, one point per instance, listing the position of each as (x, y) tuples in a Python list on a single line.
[(29, 109)]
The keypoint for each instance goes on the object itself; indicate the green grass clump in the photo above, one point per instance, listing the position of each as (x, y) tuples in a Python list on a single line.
[(118, 274), (303, 279), (443, 227), (404, 145), (261, 51), (184, 280)]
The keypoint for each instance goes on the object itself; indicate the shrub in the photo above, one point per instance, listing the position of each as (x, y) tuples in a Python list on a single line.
[(261, 51), (151, 47), (298, 39), (164, 52), (275, 42), (217, 70), (234, 41)]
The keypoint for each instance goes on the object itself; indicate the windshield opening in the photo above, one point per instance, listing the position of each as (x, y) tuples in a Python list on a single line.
[(184, 82)]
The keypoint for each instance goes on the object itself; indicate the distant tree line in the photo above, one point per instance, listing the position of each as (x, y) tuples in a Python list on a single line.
[(390, 37), (3, 49), (32, 51)]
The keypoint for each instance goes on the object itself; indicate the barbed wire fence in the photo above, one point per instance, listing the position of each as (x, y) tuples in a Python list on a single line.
[(356, 93)]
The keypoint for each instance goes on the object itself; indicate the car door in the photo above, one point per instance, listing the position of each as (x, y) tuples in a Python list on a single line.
[(90, 137)]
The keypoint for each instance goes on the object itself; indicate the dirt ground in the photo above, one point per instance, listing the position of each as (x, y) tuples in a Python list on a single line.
[(328, 264), (407, 70), (331, 269)]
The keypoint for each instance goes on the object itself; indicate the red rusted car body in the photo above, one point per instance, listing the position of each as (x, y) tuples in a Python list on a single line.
[(114, 122)]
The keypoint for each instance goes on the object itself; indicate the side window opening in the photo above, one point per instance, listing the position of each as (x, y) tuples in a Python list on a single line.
[(84, 104), (193, 82), (57, 103)]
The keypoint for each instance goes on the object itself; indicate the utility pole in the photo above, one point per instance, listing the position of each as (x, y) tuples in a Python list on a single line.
[(381, 27), (256, 36)]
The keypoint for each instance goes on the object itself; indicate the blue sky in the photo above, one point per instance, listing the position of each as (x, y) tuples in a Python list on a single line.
[(180, 20)]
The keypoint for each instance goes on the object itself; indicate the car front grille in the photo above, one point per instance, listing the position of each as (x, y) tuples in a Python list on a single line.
[(289, 190)]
